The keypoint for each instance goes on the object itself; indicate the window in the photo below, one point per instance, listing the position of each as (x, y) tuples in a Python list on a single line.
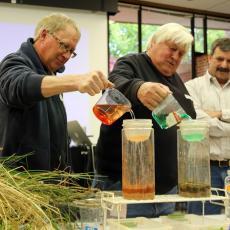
[(123, 33)]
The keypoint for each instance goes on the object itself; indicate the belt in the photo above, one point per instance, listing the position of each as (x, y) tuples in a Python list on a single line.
[(225, 163)]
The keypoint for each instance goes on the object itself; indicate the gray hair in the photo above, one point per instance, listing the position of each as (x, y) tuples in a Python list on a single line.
[(172, 32), (55, 22), (222, 43)]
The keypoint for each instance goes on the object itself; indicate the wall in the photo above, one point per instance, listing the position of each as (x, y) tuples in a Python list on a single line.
[(17, 23), (201, 64)]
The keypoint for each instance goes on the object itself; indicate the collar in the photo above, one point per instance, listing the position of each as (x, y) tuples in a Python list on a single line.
[(213, 80), (29, 48)]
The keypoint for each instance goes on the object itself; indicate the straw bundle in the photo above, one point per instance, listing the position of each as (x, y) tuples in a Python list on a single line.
[(32, 200)]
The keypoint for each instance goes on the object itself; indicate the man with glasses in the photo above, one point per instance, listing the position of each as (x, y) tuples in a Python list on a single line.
[(32, 114)]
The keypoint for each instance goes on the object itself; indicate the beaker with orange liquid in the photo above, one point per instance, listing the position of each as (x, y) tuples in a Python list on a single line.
[(111, 106), (138, 168)]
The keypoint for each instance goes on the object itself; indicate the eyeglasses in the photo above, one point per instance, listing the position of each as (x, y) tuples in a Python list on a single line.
[(64, 46)]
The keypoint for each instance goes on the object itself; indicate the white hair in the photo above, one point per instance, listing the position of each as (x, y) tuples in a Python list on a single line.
[(171, 32)]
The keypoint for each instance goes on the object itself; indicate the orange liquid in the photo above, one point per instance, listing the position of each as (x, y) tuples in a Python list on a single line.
[(137, 167), (138, 192), (110, 113)]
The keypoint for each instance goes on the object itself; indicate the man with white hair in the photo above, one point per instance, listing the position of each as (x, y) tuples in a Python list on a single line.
[(146, 79)]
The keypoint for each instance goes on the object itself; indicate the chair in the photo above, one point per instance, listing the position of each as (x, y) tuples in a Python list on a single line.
[(81, 157)]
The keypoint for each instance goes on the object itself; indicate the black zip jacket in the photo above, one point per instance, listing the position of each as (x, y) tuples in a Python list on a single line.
[(30, 123), (128, 74)]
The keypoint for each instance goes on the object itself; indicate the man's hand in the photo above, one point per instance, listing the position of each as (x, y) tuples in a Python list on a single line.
[(150, 94), (214, 114), (92, 83)]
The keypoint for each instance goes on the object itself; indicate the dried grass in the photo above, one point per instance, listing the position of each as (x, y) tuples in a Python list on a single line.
[(32, 200)]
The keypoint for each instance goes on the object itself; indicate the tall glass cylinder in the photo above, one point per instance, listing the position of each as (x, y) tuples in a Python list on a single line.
[(193, 159), (138, 169)]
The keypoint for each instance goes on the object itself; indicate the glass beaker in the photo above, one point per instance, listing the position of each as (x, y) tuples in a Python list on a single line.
[(111, 106), (169, 113), (138, 168), (91, 214), (193, 159)]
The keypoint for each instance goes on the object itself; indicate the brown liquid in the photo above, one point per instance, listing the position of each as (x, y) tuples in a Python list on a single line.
[(139, 192), (138, 167), (194, 190), (110, 113)]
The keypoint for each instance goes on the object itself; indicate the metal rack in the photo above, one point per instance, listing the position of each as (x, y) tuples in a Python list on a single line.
[(111, 201)]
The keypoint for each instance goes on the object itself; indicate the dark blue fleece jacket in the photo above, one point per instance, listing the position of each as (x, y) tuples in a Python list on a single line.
[(30, 123)]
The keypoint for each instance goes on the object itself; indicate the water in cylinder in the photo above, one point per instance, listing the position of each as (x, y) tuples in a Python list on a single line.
[(193, 159), (138, 176)]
